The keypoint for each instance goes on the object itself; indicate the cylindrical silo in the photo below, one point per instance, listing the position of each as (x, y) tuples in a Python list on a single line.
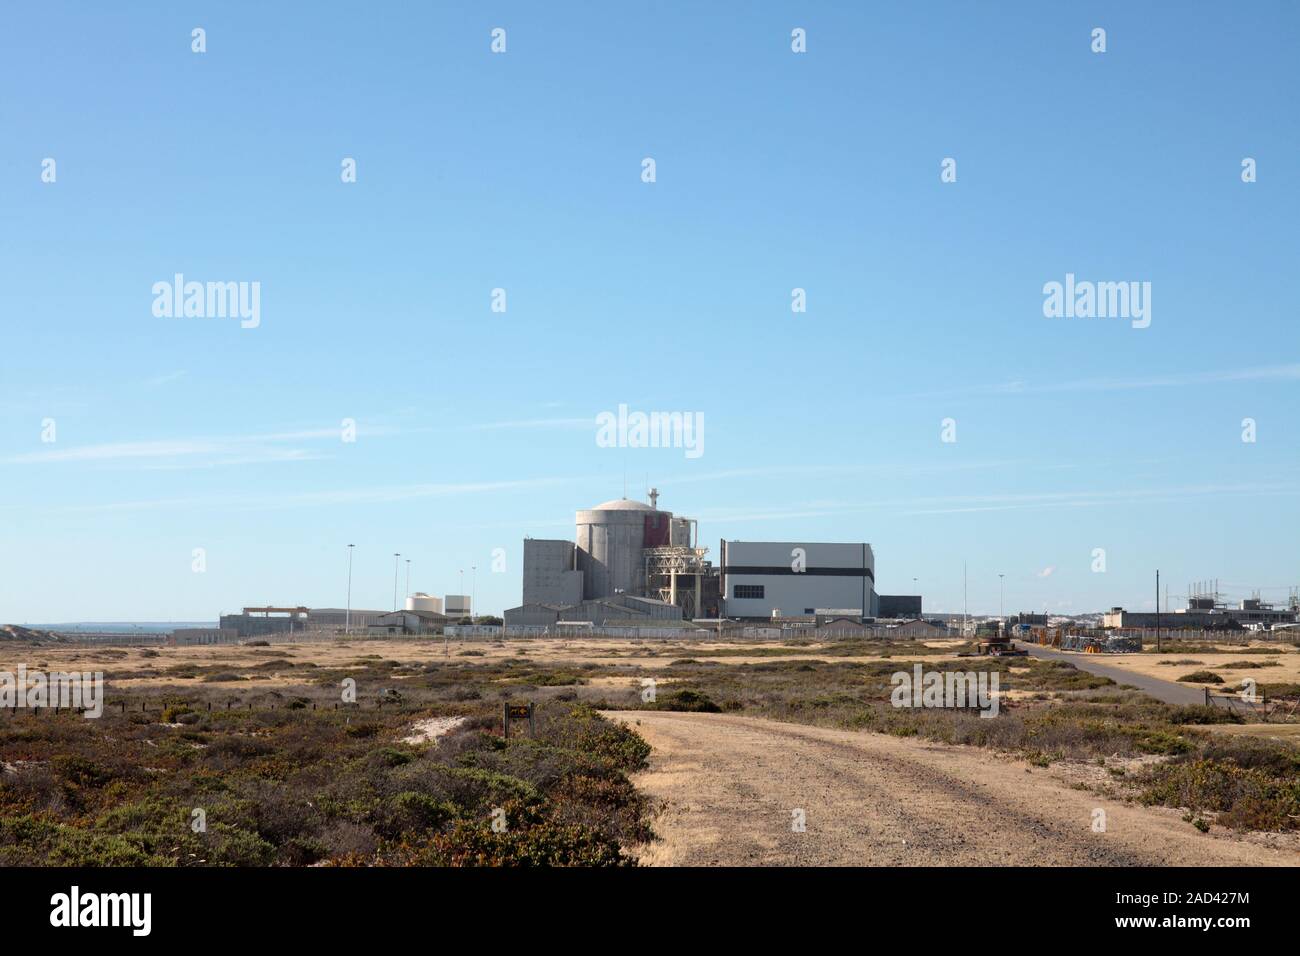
[(419, 601), (610, 538)]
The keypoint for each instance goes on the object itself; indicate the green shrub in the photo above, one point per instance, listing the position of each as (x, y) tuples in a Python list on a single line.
[(1201, 677), (391, 757), (419, 811), (691, 701), (543, 844), (1244, 797)]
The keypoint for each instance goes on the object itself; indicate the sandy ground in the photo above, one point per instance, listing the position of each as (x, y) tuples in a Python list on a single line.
[(730, 785), (647, 653), (1287, 671), (432, 729), (1287, 732)]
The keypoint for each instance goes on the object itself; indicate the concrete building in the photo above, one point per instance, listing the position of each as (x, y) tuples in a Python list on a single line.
[(907, 606), (533, 615), (262, 621), (636, 549), (551, 574), (1028, 619), (336, 618), (456, 606), (407, 623), (610, 539), (765, 579), (619, 609), (916, 628), (258, 621), (191, 636), (622, 547), (1250, 613)]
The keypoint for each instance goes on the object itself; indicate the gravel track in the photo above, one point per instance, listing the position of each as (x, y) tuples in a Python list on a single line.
[(729, 786)]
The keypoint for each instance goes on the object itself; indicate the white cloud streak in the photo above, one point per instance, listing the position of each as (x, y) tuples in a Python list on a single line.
[(1264, 373)]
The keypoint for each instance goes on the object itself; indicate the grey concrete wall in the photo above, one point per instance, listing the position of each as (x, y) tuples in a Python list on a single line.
[(609, 551), (549, 574)]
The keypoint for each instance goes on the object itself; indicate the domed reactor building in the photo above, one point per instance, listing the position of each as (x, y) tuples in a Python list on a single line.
[(629, 560)]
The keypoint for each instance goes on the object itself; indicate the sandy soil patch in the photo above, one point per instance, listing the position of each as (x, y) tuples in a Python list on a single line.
[(155, 661), (1287, 671), (1287, 732), (432, 728)]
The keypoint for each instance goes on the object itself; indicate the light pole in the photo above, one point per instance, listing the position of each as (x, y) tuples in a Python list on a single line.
[(347, 617), (963, 599), (395, 557), (1002, 620)]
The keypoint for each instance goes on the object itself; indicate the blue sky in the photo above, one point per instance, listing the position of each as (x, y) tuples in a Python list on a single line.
[(522, 171)]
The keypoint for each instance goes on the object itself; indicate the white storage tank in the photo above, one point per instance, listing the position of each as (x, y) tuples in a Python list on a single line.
[(419, 601)]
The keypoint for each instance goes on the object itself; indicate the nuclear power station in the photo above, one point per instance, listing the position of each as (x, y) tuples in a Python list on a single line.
[(632, 562)]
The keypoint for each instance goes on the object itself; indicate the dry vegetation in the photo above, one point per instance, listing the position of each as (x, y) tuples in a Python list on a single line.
[(257, 738), (286, 774)]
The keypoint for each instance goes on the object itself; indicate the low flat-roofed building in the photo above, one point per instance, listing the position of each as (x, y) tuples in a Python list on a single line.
[(624, 608), (916, 628), (337, 618), (899, 606), (407, 623), (190, 636)]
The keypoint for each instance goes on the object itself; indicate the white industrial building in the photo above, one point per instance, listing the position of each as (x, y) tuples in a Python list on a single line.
[(765, 579)]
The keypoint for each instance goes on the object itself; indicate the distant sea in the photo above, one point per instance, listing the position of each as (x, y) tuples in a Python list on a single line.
[(122, 627)]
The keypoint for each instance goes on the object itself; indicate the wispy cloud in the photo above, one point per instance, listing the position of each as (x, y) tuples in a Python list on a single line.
[(533, 423), (165, 378), (1264, 373), (1078, 499), (959, 504), (192, 452), (384, 494), (892, 467)]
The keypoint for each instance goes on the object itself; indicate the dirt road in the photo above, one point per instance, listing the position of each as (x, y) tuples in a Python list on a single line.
[(732, 784), (1162, 690)]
